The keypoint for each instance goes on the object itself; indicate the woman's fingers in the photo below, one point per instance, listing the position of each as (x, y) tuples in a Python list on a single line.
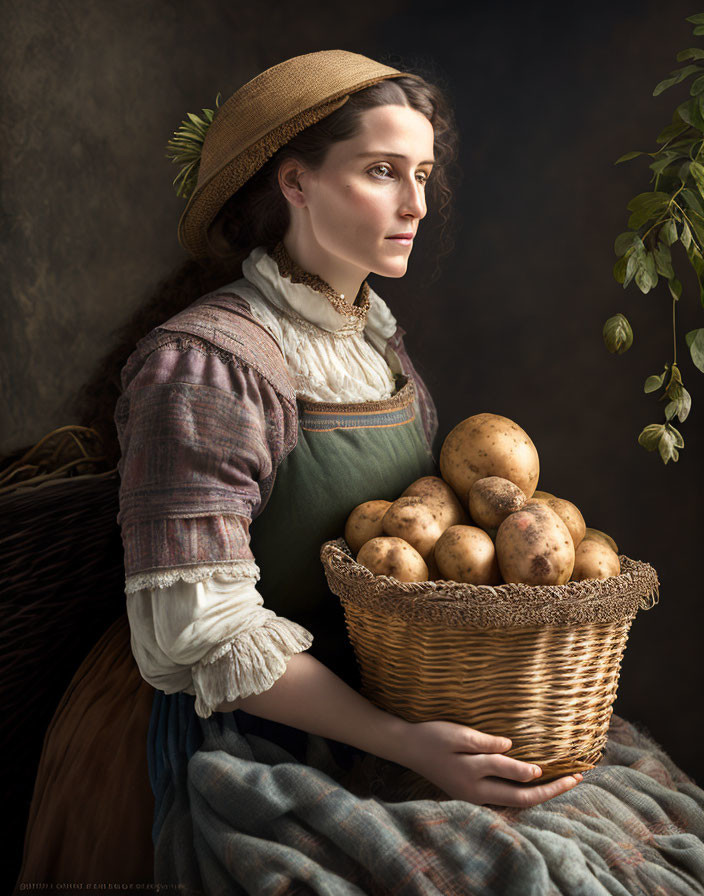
[(506, 767), (473, 741), (501, 793)]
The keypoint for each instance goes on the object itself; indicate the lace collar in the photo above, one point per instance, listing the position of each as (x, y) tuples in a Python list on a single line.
[(301, 294)]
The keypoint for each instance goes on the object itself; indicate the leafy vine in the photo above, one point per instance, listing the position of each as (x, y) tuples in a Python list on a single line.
[(675, 206)]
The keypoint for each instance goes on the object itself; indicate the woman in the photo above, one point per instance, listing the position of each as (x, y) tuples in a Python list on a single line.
[(250, 424)]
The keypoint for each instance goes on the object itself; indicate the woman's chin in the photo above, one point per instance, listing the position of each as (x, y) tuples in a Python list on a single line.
[(391, 267)]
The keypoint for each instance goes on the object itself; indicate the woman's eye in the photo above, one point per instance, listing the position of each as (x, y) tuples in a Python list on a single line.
[(380, 167), (423, 177)]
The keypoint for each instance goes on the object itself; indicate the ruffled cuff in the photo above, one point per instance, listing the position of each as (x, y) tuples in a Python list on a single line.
[(164, 578), (249, 664)]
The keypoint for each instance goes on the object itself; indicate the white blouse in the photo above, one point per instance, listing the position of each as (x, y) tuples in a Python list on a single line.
[(214, 639)]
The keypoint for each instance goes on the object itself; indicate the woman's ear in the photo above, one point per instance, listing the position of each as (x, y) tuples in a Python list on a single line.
[(289, 182)]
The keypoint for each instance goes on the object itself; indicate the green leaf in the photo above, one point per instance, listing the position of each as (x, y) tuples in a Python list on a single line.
[(659, 165), (676, 77), (695, 343), (697, 86), (620, 269), (617, 334), (653, 383), (676, 378), (646, 206), (643, 280), (654, 200), (672, 130), (630, 155), (668, 232), (689, 112), (624, 241), (697, 172), (635, 261), (697, 18), (663, 261), (670, 441), (650, 436), (692, 200), (698, 230), (639, 218), (691, 53), (698, 30), (679, 441), (675, 288), (697, 263), (646, 275), (680, 405), (686, 235), (683, 172)]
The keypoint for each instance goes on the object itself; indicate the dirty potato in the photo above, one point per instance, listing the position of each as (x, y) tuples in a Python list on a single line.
[(436, 488), (598, 535), (417, 520), (488, 445), (570, 515), (540, 495), (390, 556), (534, 546), (491, 499), (467, 554), (595, 560), (364, 523)]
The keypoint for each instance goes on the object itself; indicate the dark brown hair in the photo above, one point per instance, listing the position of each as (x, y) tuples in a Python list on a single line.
[(258, 215)]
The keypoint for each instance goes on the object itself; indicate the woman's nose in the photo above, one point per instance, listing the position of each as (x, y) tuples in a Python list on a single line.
[(414, 201)]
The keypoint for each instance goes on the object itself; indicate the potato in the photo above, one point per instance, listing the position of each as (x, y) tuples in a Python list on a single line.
[(598, 535), (467, 554), (416, 520), (488, 445), (435, 487), (595, 560), (390, 556), (570, 515), (534, 546), (364, 523), (541, 496), (491, 499)]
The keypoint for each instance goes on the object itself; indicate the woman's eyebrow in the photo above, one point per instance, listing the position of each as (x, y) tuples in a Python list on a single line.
[(397, 155)]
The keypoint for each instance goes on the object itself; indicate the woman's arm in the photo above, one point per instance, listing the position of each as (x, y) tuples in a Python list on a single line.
[(465, 763), (311, 697)]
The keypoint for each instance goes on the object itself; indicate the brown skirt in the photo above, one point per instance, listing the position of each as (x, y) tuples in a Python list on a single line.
[(92, 809)]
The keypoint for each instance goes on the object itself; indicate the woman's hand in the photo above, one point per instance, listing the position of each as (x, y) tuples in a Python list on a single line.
[(467, 764)]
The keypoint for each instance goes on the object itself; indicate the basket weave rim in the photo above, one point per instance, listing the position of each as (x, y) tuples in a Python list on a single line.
[(508, 604)]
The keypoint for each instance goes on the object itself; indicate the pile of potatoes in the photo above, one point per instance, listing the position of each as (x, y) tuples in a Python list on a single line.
[(481, 521)]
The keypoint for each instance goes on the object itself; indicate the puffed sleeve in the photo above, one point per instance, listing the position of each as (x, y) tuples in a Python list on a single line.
[(213, 639), (201, 437)]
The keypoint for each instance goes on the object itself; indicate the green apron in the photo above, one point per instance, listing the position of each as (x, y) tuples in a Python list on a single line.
[(346, 454)]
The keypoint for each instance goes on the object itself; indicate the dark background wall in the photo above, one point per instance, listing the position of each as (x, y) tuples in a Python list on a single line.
[(546, 97)]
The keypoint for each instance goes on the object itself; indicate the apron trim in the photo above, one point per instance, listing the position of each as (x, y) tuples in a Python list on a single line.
[(323, 416), (402, 398)]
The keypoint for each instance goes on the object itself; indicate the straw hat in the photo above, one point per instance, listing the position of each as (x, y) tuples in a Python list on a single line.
[(260, 118)]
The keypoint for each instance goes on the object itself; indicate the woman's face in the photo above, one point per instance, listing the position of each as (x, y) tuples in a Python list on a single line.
[(370, 188)]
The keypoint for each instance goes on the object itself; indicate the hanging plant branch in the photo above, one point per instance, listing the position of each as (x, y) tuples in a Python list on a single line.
[(672, 211)]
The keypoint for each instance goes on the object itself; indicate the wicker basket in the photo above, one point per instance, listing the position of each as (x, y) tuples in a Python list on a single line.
[(537, 664)]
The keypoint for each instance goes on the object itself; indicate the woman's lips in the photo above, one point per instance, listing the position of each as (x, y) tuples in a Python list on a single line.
[(405, 241)]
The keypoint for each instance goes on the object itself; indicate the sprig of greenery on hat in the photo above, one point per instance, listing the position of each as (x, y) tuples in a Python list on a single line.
[(673, 211), (185, 147)]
